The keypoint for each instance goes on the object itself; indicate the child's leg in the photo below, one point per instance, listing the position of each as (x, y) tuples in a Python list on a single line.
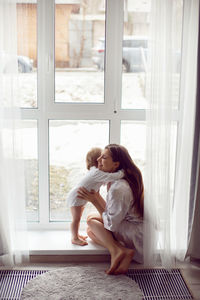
[(76, 212)]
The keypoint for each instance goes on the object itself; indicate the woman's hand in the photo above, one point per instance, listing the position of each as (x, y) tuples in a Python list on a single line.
[(91, 196)]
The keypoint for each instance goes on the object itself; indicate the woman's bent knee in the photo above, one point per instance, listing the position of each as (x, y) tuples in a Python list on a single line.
[(96, 217), (89, 220), (91, 217)]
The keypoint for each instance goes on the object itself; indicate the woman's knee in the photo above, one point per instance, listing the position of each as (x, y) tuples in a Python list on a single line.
[(89, 221), (92, 221), (89, 218), (92, 217)]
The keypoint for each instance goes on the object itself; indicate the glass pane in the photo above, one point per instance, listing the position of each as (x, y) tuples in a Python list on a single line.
[(69, 143), (133, 137), (134, 55), (79, 52), (19, 145), (27, 52), (135, 52), (30, 156)]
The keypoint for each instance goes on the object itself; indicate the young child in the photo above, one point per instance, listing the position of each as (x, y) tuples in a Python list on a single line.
[(92, 180)]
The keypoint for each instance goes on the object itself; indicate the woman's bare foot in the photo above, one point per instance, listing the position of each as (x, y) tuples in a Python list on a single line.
[(125, 262), (78, 241), (116, 257)]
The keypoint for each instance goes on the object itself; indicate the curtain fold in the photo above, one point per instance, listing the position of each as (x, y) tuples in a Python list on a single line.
[(194, 242), (171, 93), (13, 233), (182, 222), (194, 229)]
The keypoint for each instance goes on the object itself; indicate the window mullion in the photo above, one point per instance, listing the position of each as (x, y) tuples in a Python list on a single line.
[(45, 95), (113, 64), (47, 45), (113, 61), (43, 172)]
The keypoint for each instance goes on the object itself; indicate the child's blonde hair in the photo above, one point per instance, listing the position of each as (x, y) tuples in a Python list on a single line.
[(91, 157)]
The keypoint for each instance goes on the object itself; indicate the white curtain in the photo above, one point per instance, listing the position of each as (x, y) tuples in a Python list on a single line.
[(171, 93), (13, 238)]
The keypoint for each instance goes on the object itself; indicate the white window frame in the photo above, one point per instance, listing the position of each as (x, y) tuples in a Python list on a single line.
[(49, 110)]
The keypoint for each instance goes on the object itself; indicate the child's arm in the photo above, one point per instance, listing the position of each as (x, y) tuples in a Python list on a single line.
[(104, 177)]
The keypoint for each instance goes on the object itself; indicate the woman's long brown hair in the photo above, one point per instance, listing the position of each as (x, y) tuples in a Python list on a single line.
[(132, 173)]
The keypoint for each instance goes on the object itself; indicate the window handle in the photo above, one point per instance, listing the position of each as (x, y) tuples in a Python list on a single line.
[(48, 63), (115, 106)]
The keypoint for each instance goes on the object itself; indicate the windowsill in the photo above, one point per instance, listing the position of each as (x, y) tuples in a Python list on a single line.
[(58, 242)]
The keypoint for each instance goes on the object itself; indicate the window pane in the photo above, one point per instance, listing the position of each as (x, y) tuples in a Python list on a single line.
[(136, 49), (30, 156), (79, 54), (27, 52), (19, 145), (133, 137), (69, 143)]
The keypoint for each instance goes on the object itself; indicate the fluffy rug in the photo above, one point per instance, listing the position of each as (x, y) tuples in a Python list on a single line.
[(73, 283)]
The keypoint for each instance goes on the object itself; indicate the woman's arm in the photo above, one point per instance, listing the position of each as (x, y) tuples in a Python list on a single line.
[(94, 197)]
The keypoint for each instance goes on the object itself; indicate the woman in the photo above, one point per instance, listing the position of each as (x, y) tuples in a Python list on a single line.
[(119, 225)]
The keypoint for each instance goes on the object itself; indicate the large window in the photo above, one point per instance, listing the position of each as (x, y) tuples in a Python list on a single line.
[(83, 86)]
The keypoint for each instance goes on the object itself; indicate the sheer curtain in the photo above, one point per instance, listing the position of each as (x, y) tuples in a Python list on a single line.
[(194, 238), (13, 239), (170, 129)]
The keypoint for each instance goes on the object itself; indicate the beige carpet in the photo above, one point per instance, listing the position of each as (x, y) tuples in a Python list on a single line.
[(73, 283)]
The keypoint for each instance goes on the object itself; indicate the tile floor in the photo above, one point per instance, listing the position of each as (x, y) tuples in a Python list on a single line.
[(191, 275)]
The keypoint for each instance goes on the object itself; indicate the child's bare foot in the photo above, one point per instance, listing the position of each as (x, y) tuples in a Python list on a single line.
[(82, 237), (125, 262), (78, 241)]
